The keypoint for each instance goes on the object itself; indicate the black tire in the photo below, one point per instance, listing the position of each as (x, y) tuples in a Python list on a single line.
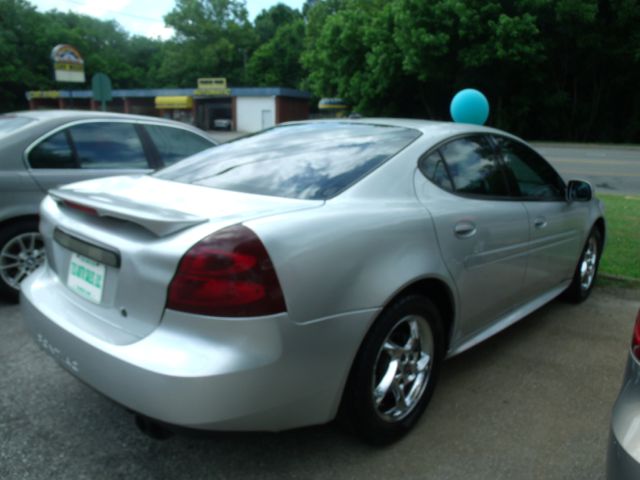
[(386, 419), (580, 287), (13, 268)]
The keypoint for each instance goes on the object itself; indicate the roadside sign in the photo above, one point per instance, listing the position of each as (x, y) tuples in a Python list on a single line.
[(68, 64), (101, 89), (212, 86)]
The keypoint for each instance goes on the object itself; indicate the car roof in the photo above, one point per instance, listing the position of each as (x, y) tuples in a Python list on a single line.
[(40, 122), (69, 115), (429, 127)]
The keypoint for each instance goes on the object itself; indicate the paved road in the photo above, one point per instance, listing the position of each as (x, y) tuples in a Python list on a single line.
[(610, 169), (530, 403)]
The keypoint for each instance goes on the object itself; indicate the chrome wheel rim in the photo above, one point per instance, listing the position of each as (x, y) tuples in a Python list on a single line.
[(20, 256), (402, 368), (588, 264)]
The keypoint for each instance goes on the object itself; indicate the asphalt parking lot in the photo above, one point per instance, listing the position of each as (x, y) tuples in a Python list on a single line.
[(531, 403)]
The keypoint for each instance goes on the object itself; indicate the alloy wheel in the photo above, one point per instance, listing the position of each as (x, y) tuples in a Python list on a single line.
[(402, 368), (20, 256), (588, 264)]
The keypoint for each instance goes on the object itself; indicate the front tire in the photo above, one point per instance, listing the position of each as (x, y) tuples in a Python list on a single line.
[(395, 371), (585, 274), (21, 252)]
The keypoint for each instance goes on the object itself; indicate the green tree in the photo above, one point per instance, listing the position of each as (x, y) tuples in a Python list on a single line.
[(270, 20), (24, 64), (551, 68), (277, 62), (213, 38)]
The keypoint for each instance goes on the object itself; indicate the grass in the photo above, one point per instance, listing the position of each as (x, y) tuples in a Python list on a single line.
[(622, 251)]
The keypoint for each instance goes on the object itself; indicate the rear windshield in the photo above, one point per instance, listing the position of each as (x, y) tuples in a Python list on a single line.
[(9, 123), (312, 161)]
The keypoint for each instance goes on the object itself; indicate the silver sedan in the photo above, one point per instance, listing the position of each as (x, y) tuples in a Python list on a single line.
[(313, 270), (43, 149), (623, 456)]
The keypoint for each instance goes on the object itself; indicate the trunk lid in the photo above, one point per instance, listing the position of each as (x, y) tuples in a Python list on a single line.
[(164, 207), (115, 243)]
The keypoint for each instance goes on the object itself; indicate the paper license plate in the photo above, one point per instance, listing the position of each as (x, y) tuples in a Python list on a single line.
[(86, 277)]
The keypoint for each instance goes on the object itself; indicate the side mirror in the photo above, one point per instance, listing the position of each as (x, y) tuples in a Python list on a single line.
[(579, 191)]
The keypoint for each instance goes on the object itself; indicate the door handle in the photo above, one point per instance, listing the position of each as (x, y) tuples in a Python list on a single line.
[(540, 222), (465, 229)]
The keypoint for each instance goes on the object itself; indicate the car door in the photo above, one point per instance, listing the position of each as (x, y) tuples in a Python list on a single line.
[(87, 150), (482, 232), (555, 225)]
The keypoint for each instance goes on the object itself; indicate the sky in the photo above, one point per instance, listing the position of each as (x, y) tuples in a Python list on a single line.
[(141, 17)]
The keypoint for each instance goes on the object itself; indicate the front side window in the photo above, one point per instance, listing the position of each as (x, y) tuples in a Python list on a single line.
[(535, 178), (52, 152), (174, 144), (313, 161), (104, 145), (473, 167)]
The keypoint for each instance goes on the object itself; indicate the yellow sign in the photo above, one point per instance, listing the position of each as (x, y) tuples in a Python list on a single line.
[(182, 103), (67, 64), (212, 86), (43, 94)]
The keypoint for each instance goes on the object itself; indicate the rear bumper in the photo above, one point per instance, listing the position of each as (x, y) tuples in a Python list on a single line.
[(623, 454), (265, 373)]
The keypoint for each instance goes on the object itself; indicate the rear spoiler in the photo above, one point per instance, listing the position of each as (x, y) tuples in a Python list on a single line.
[(158, 220)]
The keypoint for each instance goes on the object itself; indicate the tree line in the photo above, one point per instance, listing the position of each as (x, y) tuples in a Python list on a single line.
[(551, 69)]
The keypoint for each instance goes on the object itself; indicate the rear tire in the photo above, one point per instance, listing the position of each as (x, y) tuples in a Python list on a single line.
[(584, 276), (395, 371), (21, 252)]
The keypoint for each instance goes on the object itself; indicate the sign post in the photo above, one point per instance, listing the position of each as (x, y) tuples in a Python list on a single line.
[(68, 65), (101, 88)]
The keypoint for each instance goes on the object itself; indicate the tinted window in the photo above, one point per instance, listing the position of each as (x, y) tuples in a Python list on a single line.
[(474, 167), (174, 144), (53, 152), (534, 177), (108, 145), (433, 167), (308, 161)]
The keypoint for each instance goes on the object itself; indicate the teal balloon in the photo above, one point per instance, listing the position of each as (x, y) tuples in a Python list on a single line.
[(469, 106)]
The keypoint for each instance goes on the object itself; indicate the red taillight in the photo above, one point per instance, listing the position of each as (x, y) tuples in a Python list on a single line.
[(82, 208), (635, 343), (227, 274)]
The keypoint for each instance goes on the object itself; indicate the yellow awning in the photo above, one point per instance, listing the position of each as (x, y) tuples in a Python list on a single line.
[(183, 103)]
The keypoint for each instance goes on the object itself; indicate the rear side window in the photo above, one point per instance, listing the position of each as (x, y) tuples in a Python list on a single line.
[(535, 178), (104, 145), (53, 152), (306, 161), (174, 144), (433, 167), (473, 167)]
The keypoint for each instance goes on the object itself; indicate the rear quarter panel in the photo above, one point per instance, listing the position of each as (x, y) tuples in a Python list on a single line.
[(350, 256)]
